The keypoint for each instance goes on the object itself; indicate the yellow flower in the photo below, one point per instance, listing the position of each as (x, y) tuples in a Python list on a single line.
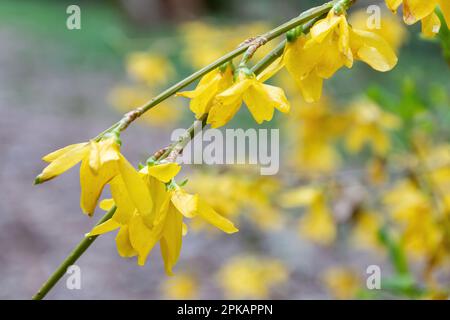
[(421, 234), (416, 10), (209, 86), (370, 125), (365, 230), (390, 28), (181, 286), (261, 100), (317, 224), (100, 163), (330, 45), (341, 282), (250, 277), (139, 232), (149, 68)]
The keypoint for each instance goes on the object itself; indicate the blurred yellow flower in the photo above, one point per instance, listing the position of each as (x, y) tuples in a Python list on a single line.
[(341, 282), (180, 287), (248, 277), (367, 225), (317, 224), (151, 69), (420, 234), (314, 129), (370, 125)]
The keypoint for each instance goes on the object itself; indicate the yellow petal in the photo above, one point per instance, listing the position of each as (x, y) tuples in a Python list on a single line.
[(227, 104), (165, 171), (185, 229), (311, 87), (62, 163), (373, 50), (137, 188), (278, 97), (332, 61), (271, 70), (124, 247), (415, 10), (171, 239), (108, 150), (431, 26), (300, 61), (92, 184), (105, 227), (323, 27), (125, 206), (186, 203), (107, 204), (142, 238), (259, 102), (393, 4), (58, 153), (94, 156), (210, 215)]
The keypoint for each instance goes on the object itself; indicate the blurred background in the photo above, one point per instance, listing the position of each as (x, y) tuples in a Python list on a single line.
[(365, 175)]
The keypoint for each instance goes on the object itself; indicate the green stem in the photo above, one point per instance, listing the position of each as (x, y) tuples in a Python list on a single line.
[(82, 246)]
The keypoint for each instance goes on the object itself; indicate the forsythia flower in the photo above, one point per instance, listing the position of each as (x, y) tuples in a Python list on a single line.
[(370, 125), (251, 277), (149, 68), (261, 100), (330, 45), (365, 230), (139, 233), (416, 10), (100, 163), (317, 224), (209, 86), (420, 233)]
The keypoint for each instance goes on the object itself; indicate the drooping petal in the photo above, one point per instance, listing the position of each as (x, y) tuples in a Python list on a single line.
[(92, 184), (271, 70), (332, 61), (311, 87), (142, 238), (373, 50), (164, 171), (125, 206), (278, 97), (58, 153), (123, 243), (227, 104), (137, 188), (415, 10), (62, 163), (94, 156), (107, 226), (186, 203), (211, 216), (259, 102), (171, 239), (300, 61)]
